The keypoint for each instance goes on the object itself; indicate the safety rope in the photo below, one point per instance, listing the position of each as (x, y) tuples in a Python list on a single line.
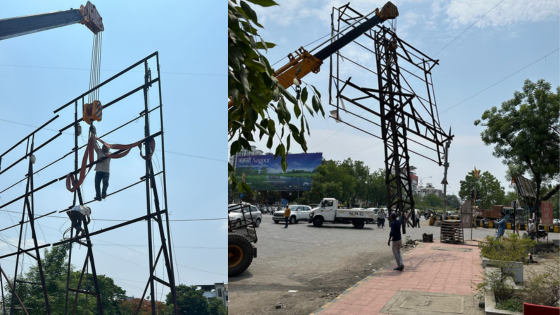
[(95, 70), (73, 182)]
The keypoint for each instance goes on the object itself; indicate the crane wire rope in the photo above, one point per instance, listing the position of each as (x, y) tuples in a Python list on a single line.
[(95, 70)]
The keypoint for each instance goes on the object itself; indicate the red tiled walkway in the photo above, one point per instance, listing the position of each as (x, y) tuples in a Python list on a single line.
[(426, 270)]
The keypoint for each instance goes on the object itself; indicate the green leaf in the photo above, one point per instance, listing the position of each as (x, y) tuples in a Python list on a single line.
[(264, 3), (307, 125), (250, 13), (234, 148), (245, 187), (297, 111), (265, 45), (271, 127), (288, 142), (316, 91), (245, 143), (309, 110), (304, 95), (255, 64), (269, 142), (287, 94), (315, 104), (245, 81)]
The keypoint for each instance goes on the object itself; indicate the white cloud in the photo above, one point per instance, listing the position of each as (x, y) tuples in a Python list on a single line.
[(510, 12)]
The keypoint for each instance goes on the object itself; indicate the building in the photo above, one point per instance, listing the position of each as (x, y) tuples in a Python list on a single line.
[(429, 189), (216, 290)]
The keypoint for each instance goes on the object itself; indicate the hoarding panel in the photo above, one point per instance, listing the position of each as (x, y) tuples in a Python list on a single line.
[(546, 207), (263, 172)]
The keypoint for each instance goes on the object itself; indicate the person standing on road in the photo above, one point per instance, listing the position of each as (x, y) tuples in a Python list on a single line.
[(531, 229), (501, 225), (381, 218), (417, 217), (395, 235), (287, 213)]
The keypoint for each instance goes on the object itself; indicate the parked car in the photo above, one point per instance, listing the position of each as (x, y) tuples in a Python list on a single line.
[(298, 213), (239, 217), (556, 222)]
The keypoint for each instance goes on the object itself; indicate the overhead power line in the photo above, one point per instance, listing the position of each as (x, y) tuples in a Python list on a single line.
[(502, 80), (84, 69)]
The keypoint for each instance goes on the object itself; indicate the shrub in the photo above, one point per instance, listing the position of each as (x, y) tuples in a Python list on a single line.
[(506, 248), (544, 288)]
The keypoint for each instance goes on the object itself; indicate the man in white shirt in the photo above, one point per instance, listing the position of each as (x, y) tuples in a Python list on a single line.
[(531, 229), (101, 171)]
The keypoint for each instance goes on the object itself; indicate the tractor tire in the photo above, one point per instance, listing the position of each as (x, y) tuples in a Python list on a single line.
[(318, 222), (257, 222), (240, 254), (293, 220), (358, 223)]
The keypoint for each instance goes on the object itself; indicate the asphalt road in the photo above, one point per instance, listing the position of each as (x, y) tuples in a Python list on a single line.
[(320, 263)]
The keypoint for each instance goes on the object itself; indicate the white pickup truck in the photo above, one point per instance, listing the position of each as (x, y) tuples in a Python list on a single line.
[(328, 212)]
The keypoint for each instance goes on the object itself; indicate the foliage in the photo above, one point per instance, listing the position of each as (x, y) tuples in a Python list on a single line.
[(488, 189), (432, 201), (189, 301), (509, 197), (525, 133), (506, 248), (128, 307), (515, 304), (54, 262), (252, 88), (216, 307), (544, 288)]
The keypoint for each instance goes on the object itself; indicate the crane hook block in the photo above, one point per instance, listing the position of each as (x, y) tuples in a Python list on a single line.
[(389, 11), (92, 19), (93, 111)]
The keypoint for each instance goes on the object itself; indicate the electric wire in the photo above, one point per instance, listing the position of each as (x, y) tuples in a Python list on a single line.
[(507, 77), (83, 69)]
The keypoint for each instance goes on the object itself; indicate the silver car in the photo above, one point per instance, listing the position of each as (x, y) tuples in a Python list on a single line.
[(238, 217)]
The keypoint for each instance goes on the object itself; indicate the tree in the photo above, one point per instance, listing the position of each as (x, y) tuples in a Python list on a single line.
[(376, 188), (488, 189), (216, 307), (453, 202), (334, 179), (525, 133), (509, 197), (128, 307), (252, 88), (54, 262), (432, 201), (189, 301)]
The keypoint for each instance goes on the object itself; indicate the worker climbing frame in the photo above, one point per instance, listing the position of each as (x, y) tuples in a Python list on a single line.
[(399, 117), (155, 217)]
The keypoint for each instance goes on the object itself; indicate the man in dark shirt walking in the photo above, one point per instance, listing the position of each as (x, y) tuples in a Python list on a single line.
[(395, 235)]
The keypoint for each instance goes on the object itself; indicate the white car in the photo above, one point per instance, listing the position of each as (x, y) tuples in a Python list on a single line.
[(238, 217), (298, 213)]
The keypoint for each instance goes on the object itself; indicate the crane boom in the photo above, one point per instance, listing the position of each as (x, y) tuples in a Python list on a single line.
[(23, 25), (304, 62)]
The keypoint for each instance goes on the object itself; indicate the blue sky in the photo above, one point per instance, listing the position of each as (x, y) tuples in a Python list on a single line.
[(43, 71), (513, 35)]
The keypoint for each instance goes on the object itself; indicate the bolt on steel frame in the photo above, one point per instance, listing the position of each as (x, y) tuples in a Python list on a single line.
[(400, 120), (151, 188)]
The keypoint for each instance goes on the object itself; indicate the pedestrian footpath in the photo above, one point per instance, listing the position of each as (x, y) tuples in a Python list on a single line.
[(430, 267)]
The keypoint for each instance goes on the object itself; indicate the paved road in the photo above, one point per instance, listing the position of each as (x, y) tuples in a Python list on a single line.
[(318, 262)]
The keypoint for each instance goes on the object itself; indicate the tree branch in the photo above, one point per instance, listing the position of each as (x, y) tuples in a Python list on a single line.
[(551, 193)]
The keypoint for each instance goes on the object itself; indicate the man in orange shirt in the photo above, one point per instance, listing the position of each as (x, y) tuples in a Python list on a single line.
[(287, 214)]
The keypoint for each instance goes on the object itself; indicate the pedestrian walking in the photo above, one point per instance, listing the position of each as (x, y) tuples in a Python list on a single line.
[(395, 236), (501, 225), (418, 218), (287, 213), (381, 218)]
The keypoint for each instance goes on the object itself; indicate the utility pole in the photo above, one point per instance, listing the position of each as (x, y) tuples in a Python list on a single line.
[(444, 181)]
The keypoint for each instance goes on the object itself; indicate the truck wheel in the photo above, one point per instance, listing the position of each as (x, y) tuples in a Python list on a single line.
[(240, 254), (318, 222), (359, 223), (293, 220), (257, 222), (275, 221)]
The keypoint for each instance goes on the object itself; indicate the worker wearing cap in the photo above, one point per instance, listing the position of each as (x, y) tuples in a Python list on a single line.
[(531, 229), (395, 235)]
